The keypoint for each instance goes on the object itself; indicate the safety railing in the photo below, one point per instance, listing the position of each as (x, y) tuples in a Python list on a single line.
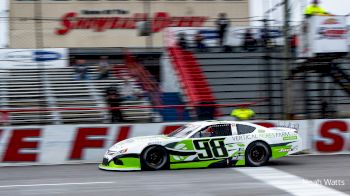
[(181, 111), (146, 79)]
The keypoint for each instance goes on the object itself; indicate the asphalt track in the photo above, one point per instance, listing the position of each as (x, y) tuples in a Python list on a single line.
[(295, 175)]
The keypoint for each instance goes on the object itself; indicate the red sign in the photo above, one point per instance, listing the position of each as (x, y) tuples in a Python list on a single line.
[(161, 20), (330, 21), (332, 136), (18, 142), (332, 33), (25, 144)]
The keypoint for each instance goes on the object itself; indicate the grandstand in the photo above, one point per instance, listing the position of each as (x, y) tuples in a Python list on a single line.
[(242, 77), (57, 88), (220, 77)]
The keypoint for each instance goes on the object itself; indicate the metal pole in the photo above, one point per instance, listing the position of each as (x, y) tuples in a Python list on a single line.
[(268, 67), (306, 94), (322, 98), (147, 9), (39, 43), (286, 50)]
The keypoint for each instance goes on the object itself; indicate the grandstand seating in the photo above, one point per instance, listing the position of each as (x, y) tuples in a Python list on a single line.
[(325, 82), (240, 77), (57, 88), (191, 76), (340, 77), (245, 77)]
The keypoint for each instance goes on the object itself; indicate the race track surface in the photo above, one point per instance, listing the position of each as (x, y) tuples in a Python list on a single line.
[(295, 175)]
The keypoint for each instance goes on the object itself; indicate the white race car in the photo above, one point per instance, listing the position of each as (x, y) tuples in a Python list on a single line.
[(204, 144)]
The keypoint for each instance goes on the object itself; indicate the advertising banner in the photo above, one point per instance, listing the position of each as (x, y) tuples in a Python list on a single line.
[(328, 31), (33, 58), (86, 24), (233, 37), (60, 144), (331, 136), (323, 35)]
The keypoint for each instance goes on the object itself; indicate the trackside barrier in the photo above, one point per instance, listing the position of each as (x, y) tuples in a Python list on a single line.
[(61, 144), (43, 109), (5, 114)]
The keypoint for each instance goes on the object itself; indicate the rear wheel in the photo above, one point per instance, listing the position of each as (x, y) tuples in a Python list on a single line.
[(257, 154), (154, 158)]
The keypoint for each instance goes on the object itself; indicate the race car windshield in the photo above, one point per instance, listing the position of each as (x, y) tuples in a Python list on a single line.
[(183, 131)]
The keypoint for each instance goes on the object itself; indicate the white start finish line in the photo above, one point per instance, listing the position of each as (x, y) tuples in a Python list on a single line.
[(288, 182)]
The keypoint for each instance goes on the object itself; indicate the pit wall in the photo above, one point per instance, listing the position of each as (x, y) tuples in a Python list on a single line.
[(64, 144)]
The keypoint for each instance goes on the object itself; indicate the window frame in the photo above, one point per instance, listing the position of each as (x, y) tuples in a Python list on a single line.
[(206, 127), (247, 132)]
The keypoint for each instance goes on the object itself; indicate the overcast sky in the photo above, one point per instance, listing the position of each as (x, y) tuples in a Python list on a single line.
[(257, 8)]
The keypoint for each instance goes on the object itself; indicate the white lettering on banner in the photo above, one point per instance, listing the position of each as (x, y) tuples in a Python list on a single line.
[(57, 144), (32, 58)]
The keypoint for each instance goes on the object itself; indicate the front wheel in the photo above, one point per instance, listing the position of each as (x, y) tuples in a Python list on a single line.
[(257, 154), (154, 158)]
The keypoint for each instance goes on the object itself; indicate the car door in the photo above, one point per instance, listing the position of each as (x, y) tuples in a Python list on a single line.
[(210, 142)]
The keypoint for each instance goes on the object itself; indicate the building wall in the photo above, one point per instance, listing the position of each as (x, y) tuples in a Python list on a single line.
[(22, 26)]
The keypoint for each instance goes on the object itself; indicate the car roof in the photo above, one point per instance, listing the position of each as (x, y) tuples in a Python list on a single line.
[(214, 122)]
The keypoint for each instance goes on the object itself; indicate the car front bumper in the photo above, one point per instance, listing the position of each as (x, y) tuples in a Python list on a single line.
[(121, 163)]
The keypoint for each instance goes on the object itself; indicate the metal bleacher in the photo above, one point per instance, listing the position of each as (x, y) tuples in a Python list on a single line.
[(240, 76), (30, 89)]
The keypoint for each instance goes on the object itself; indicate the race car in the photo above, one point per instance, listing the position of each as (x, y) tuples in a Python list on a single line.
[(204, 144)]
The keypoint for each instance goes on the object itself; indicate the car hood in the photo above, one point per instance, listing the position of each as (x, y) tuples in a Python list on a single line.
[(156, 139)]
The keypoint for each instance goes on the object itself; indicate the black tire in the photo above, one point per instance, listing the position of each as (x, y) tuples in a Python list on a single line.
[(154, 158), (257, 154)]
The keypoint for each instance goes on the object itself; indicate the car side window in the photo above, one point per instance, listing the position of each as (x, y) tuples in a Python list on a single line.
[(214, 131), (244, 129), (222, 130)]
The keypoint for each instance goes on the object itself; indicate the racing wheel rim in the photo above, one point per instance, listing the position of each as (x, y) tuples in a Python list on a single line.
[(257, 154), (155, 157)]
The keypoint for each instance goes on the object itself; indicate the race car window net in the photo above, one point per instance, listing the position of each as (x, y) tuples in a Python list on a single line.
[(222, 130), (244, 129), (214, 131), (183, 131)]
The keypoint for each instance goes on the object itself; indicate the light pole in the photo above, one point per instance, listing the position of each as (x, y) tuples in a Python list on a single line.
[(287, 101), (148, 11), (39, 43)]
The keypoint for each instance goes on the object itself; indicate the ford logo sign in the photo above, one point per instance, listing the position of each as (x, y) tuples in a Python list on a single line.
[(42, 56)]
